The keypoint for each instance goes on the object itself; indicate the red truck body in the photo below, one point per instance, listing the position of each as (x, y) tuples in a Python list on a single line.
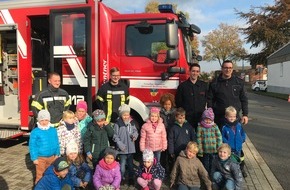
[(82, 40)]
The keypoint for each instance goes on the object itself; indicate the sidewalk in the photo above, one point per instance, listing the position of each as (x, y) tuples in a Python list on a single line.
[(260, 177)]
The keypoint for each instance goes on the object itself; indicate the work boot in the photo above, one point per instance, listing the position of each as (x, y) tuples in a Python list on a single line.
[(242, 167)]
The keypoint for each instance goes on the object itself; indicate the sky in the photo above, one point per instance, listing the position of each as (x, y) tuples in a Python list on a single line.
[(207, 14)]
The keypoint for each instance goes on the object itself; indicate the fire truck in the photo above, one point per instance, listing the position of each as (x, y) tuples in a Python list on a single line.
[(81, 40)]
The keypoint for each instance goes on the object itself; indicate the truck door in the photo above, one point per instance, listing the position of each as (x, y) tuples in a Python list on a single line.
[(70, 39)]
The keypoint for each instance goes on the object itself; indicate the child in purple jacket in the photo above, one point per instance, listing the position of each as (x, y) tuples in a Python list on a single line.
[(107, 174)]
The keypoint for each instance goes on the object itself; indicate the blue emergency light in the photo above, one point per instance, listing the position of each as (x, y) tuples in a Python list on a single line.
[(165, 8)]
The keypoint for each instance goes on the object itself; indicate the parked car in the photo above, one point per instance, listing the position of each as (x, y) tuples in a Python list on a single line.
[(260, 85)]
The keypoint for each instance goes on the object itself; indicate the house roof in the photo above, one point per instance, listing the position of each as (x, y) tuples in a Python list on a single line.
[(281, 55)]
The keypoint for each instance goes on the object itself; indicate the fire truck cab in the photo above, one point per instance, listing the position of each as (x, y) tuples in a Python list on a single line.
[(82, 40)]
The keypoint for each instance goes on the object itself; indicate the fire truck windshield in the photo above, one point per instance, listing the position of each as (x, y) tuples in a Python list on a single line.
[(148, 41)]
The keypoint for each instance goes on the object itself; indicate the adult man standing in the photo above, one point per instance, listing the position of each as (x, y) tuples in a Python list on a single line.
[(191, 95), (112, 95), (227, 90), (53, 99)]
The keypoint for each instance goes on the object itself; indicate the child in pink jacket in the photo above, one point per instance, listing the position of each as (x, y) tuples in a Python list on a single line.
[(153, 134)]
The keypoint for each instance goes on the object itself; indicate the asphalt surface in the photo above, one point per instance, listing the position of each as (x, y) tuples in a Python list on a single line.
[(269, 131)]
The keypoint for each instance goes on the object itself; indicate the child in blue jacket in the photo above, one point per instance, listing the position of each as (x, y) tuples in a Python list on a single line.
[(43, 144)]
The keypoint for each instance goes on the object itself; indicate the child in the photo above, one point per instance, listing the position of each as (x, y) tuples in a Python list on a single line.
[(55, 177), (167, 113), (209, 138), (150, 174), (79, 171), (188, 171), (233, 134), (43, 144), (225, 172), (153, 134), (179, 134), (96, 138), (68, 131), (83, 119), (107, 175), (125, 135)]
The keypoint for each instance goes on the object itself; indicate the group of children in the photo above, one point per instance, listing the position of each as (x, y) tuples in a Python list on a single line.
[(169, 145)]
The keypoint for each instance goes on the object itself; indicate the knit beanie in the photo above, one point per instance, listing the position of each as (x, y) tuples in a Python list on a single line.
[(154, 110), (148, 155), (72, 147), (110, 151), (82, 105), (208, 113), (60, 164), (42, 115), (124, 108), (99, 114)]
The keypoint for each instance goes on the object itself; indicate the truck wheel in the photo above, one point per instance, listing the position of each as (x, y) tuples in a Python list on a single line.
[(257, 89)]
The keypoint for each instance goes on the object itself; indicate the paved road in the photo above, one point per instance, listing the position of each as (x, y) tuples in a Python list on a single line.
[(269, 131)]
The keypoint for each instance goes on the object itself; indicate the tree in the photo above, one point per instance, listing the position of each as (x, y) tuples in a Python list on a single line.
[(223, 43), (267, 27)]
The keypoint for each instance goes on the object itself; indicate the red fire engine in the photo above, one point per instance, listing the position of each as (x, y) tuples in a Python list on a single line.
[(82, 40)]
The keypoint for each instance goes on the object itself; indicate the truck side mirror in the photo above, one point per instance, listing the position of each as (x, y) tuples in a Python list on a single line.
[(172, 54), (171, 34)]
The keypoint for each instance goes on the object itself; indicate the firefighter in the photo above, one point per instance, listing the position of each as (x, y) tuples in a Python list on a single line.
[(112, 95), (54, 99)]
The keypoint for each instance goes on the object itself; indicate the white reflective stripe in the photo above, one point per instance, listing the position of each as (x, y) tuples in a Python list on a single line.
[(63, 51), (71, 80), (146, 78), (51, 99), (157, 84), (22, 48), (116, 92), (74, 63)]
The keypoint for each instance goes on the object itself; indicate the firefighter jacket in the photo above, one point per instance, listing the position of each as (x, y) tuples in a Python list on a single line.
[(192, 98), (227, 92), (55, 101), (110, 97)]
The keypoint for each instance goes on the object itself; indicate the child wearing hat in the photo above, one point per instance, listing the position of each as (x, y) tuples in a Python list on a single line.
[(55, 177), (107, 175), (153, 134), (83, 118), (209, 138), (68, 131), (125, 135), (43, 144), (79, 171), (150, 173), (96, 138), (188, 172)]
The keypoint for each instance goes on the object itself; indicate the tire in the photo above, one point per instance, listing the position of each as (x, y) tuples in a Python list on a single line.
[(257, 89)]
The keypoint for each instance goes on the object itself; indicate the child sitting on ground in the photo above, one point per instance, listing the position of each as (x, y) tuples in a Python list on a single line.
[(55, 177), (233, 134), (79, 171), (43, 144), (188, 171), (153, 134), (209, 138), (107, 175), (226, 173), (150, 174)]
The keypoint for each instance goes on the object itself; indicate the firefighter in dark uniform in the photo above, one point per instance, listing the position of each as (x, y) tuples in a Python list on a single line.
[(54, 99), (111, 95), (227, 90), (191, 95)]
